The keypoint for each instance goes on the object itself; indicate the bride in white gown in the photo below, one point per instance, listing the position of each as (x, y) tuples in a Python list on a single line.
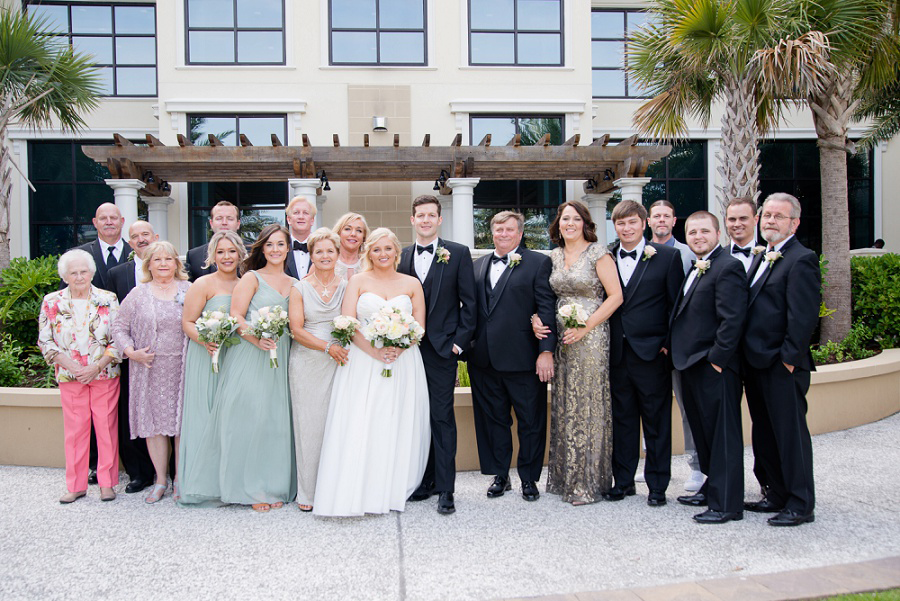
[(377, 433)]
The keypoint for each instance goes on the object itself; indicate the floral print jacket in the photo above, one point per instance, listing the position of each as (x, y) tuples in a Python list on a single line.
[(86, 342)]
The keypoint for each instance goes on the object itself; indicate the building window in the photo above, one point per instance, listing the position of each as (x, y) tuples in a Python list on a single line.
[(259, 203), (792, 166), (235, 32), (69, 187), (121, 37), (679, 178), (377, 32), (610, 30), (527, 33), (537, 200)]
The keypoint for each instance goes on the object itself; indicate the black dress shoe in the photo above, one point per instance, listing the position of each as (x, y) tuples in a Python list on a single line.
[(764, 505), (136, 486), (445, 503), (499, 486), (694, 500), (617, 493), (711, 516), (92, 477), (425, 490), (656, 498), (789, 517), (530, 490)]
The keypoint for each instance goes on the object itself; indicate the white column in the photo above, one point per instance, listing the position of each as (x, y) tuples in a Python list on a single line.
[(632, 187), (463, 209), (158, 214), (307, 189), (596, 204), (126, 194), (447, 230)]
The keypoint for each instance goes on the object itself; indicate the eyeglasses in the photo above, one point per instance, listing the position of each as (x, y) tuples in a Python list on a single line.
[(776, 217)]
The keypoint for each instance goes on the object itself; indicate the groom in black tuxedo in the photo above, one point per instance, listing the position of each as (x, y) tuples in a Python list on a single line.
[(782, 314), (509, 368), (445, 270), (640, 380), (705, 334)]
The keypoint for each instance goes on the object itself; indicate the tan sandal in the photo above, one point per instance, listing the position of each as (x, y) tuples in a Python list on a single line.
[(71, 497), (156, 494), (276, 505), (304, 508), (261, 507)]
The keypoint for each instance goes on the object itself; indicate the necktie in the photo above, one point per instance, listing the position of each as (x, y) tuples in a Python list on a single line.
[(301, 246), (630, 253), (422, 249), (496, 259), (737, 249), (110, 258)]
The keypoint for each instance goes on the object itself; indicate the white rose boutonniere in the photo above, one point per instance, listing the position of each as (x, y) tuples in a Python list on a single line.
[(514, 259), (772, 256), (702, 266), (758, 249), (649, 253), (442, 255)]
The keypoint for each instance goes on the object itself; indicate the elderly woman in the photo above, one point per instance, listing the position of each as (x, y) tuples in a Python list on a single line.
[(352, 230), (75, 338), (148, 330)]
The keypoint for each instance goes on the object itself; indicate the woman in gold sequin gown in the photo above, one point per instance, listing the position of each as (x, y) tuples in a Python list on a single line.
[(580, 409)]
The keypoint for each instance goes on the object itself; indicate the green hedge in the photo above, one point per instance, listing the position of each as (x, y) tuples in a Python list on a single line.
[(876, 297), (22, 288)]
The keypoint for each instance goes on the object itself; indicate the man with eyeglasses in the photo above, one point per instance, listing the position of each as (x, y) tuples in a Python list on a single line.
[(782, 314)]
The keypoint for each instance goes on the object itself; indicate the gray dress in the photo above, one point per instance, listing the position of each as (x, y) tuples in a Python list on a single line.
[(580, 467), (311, 373)]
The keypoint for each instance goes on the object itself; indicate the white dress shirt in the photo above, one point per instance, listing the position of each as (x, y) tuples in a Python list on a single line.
[(628, 265), (118, 247), (422, 261), (138, 271), (497, 270), (301, 259), (745, 260), (764, 265)]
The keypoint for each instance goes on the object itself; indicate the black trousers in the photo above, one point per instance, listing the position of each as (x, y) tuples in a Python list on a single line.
[(441, 376), (494, 393), (712, 401), (781, 441), (133, 453), (641, 394)]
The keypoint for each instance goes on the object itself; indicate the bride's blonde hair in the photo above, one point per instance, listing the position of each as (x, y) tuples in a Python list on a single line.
[(374, 237)]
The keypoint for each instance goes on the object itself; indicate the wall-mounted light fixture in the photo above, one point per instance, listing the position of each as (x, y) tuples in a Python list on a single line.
[(379, 124), (439, 182), (323, 179)]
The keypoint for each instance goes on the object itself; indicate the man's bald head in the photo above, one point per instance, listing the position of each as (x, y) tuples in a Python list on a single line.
[(108, 222)]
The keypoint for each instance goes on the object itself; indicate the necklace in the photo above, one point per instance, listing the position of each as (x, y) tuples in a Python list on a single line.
[(325, 293)]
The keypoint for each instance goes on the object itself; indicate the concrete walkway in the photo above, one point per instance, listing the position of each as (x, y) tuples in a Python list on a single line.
[(491, 549)]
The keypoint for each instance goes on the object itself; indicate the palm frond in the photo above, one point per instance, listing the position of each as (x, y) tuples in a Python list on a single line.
[(795, 68)]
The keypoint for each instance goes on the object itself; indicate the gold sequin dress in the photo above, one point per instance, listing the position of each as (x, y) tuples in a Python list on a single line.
[(580, 409)]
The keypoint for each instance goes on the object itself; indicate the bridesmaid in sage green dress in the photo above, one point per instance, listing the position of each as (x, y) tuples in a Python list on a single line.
[(257, 465), (198, 462)]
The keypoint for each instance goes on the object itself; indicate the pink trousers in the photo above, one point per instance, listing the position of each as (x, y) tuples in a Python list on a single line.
[(82, 403)]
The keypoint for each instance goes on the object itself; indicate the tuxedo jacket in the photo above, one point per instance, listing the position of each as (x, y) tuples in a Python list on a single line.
[(290, 265), (449, 297), (648, 300), (708, 320), (195, 258), (503, 337), (100, 280), (783, 309), (122, 280)]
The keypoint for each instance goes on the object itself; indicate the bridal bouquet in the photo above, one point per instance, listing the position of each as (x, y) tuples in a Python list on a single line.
[(392, 328), (216, 327), (574, 315), (269, 322), (342, 329)]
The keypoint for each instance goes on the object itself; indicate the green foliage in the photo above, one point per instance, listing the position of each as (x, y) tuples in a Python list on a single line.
[(853, 347), (462, 375), (876, 296), (22, 288), (12, 373), (823, 269)]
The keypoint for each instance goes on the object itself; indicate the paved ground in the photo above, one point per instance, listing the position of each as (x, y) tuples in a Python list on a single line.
[(491, 549)]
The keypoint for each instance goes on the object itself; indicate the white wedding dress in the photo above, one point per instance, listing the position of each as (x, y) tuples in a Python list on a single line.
[(377, 433)]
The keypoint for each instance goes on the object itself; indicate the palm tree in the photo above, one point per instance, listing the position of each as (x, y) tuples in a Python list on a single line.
[(861, 46), (42, 82)]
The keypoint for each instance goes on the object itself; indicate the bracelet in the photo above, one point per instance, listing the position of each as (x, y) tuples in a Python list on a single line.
[(328, 346)]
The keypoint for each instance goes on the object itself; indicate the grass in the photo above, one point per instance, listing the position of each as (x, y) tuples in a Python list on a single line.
[(888, 595)]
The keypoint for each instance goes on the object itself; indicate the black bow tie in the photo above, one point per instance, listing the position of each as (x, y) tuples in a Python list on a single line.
[(628, 253), (301, 246), (496, 259), (737, 249), (422, 249)]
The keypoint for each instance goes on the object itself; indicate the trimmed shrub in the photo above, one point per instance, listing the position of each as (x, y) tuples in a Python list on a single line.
[(876, 296), (22, 288)]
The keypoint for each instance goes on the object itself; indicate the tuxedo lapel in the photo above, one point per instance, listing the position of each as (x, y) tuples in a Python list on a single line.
[(290, 266), (408, 261), (754, 290), (635, 280), (436, 275), (99, 259), (504, 277), (129, 277)]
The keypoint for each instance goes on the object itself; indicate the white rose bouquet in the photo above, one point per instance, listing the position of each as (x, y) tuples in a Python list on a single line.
[(342, 329), (574, 315), (392, 327), (216, 327), (269, 322)]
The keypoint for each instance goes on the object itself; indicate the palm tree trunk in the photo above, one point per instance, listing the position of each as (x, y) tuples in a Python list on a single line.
[(832, 111), (738, 155), (5, 193)]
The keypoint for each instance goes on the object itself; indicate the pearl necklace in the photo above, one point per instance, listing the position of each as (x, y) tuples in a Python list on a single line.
[(325, 293)]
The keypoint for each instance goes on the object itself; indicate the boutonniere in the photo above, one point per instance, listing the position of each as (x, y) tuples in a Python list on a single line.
[(772, 256), (702, 266), (131, 256), (649, 253), (758, 249), (442, 255), (179, 297), (514, 259)]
